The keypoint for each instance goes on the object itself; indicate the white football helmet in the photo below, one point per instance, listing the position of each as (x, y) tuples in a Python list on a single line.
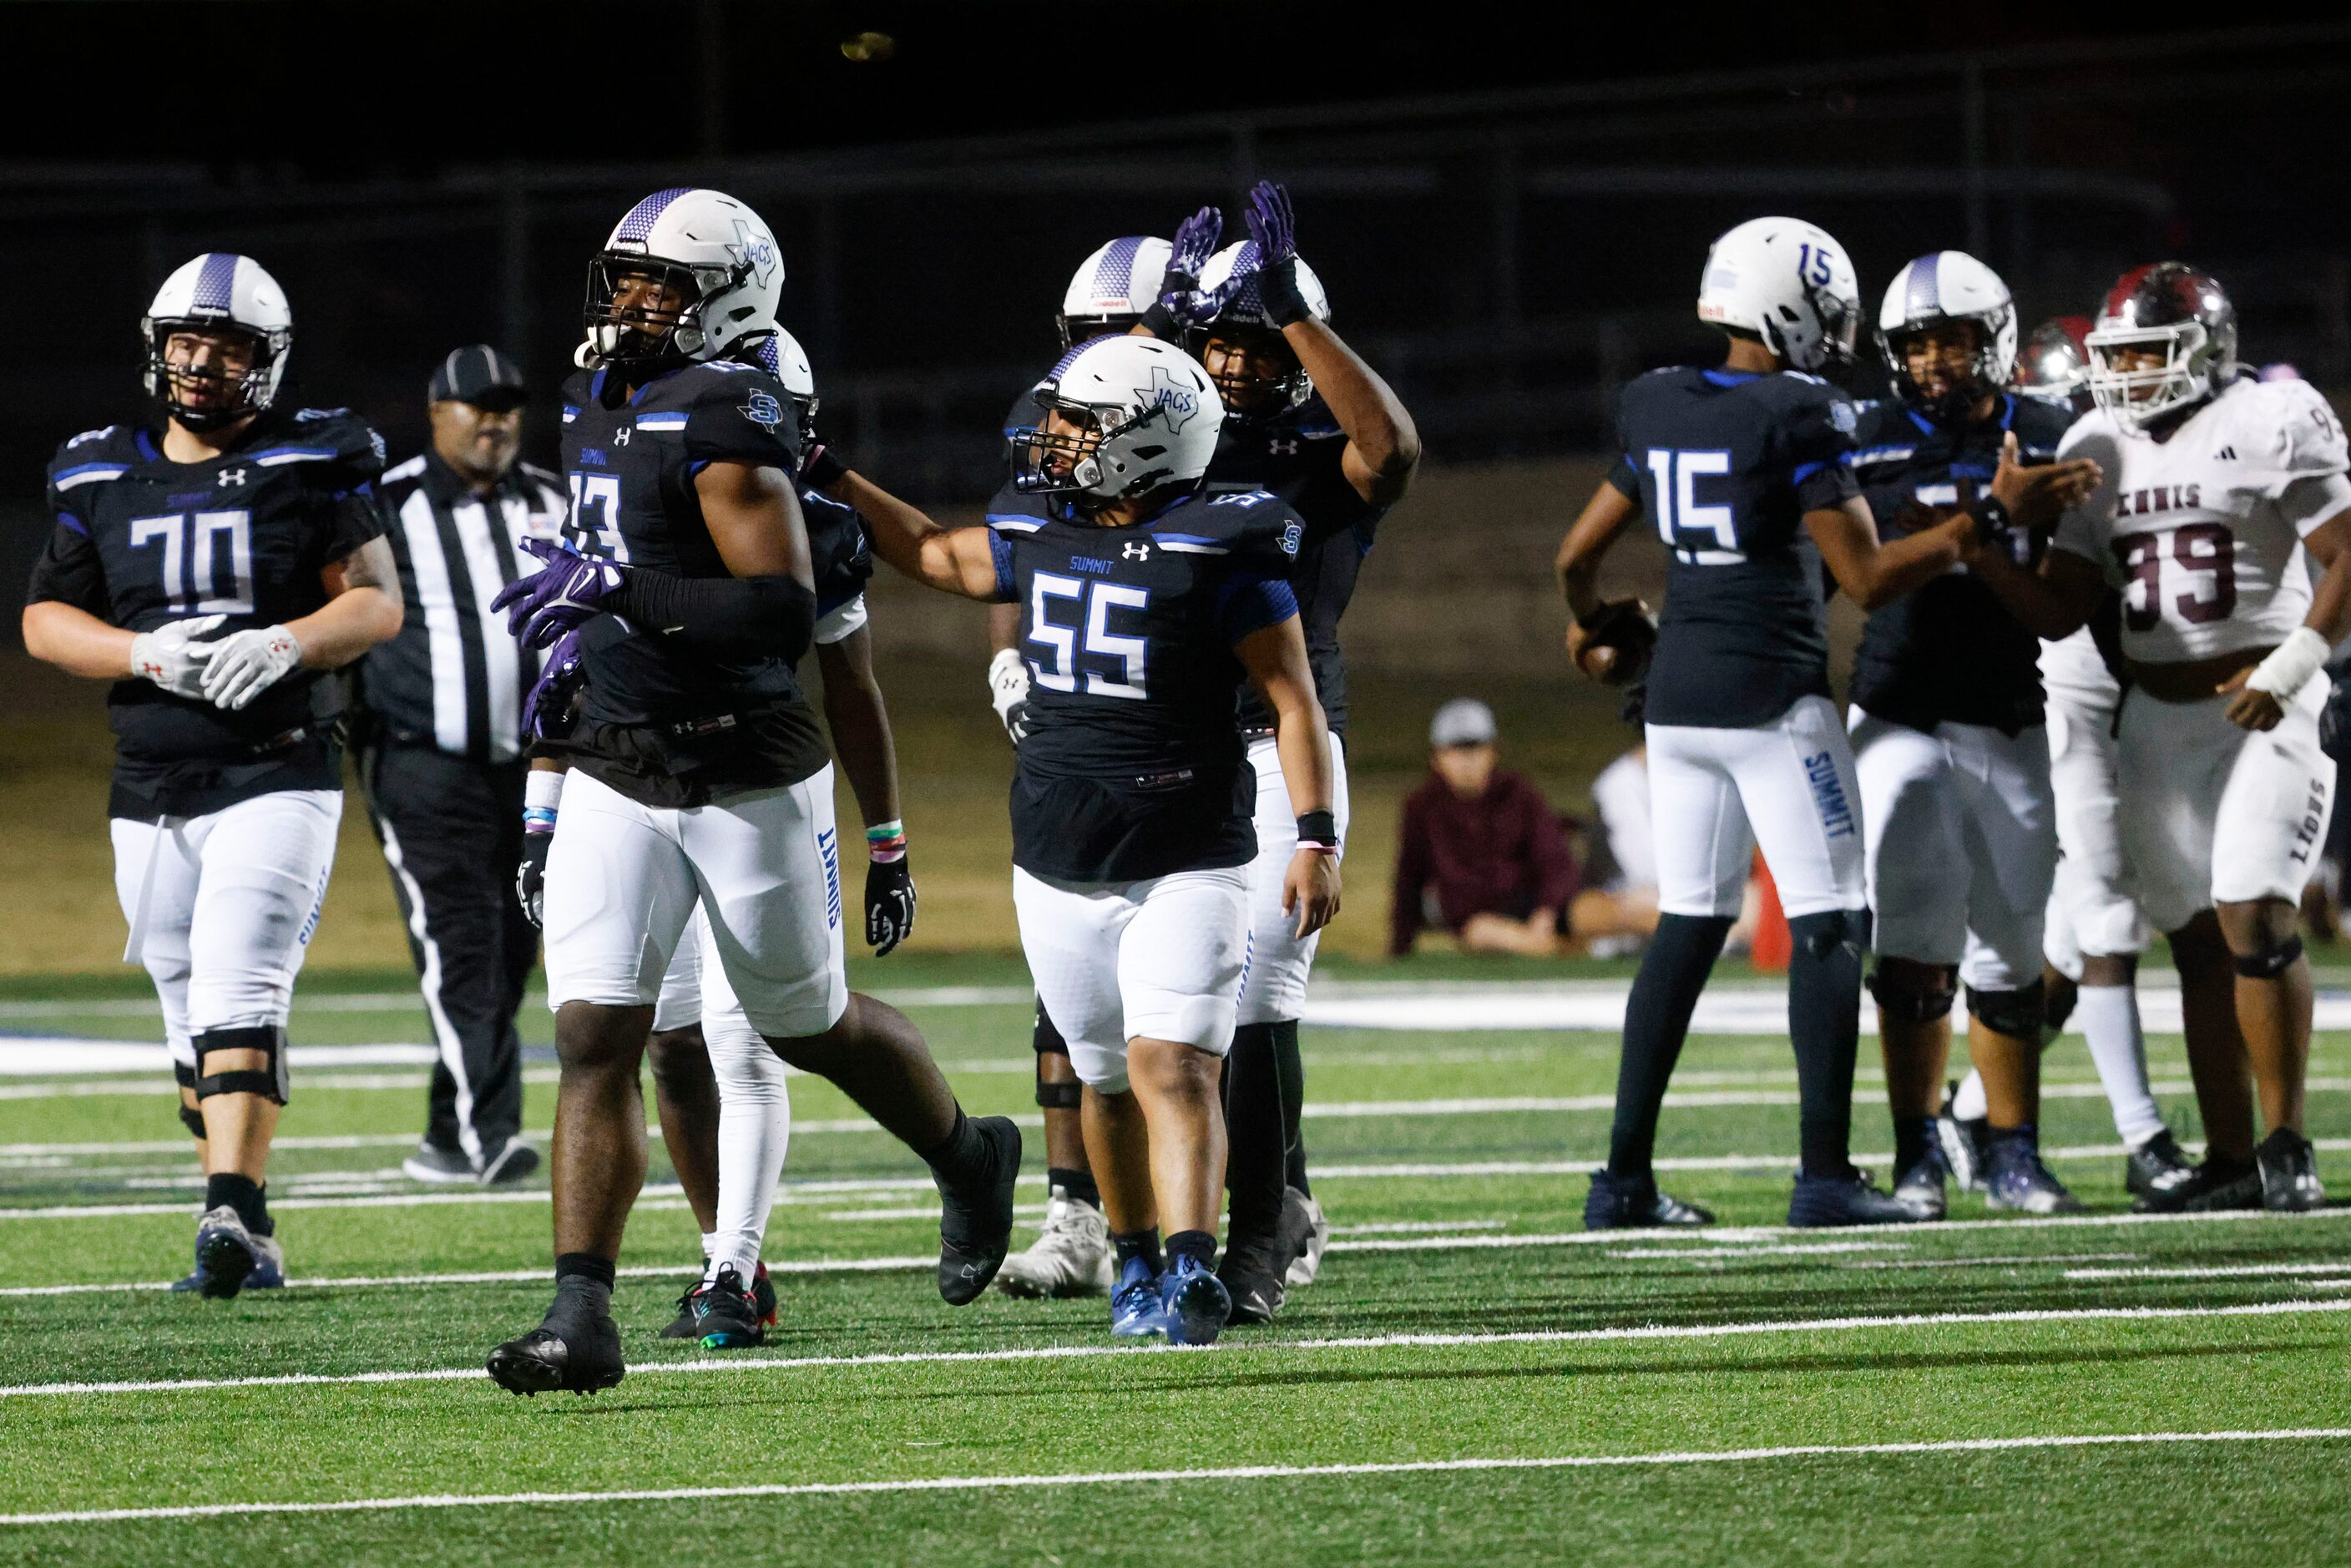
[(713, 251), (1148, 417), (1246, 309), (781, 356), (215, 292), (1949, 286), (1790, 283), (1112, 288)]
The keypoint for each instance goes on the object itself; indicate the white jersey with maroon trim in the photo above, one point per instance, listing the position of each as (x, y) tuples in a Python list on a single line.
[(2201, 531)]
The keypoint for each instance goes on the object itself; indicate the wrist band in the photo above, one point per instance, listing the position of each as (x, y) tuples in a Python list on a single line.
[(537, 819), (1318, 831), (1992, 518), (886, 841), (543, 787), (2290, 665)]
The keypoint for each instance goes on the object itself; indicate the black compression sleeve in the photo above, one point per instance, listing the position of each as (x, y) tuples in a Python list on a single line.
[(737, 617)]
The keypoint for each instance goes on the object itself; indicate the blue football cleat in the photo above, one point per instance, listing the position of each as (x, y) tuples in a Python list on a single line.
[(229, 1257), (2018, 1179), (268, 1269), (1196, 1304), (1847, 1199), (1135, 1310)]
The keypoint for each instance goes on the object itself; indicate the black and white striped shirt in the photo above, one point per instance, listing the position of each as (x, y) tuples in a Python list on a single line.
[(453, 678)]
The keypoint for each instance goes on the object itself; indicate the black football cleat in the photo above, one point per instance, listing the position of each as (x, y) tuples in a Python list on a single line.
[(763, 1299), (577, 1346), (2019, 1181), (1634, 1203), (976, 1221), (1848, 1199), (1966, 1145), (2289, 1173), (2156, 1171), (1919, 1189), (726, 1313), (1252, 1271), (2218, 1184)]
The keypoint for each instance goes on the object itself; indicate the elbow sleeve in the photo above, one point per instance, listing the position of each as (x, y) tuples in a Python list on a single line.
[(734, 617)]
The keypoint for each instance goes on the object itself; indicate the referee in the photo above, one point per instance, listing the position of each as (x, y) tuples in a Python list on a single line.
[(441, 765)]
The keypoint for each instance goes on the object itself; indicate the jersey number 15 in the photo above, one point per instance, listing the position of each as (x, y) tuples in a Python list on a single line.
[(1701, 535)]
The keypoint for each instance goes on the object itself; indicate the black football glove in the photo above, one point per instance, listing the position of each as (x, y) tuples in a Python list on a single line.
[(889, 904), (530, 877)]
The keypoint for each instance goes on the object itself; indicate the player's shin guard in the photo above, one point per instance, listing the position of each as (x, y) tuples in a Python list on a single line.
[(1657, 1020), (1256, 1165), (1824, 1024)]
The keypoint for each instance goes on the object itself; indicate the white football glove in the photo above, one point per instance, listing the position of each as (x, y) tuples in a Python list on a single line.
[(170, 656), (243, 664), (1007, 686)]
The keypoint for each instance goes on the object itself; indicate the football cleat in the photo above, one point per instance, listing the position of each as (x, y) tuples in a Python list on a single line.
[(1195, 1304), (2218, 1184), (1252, 1277), (1070, 1257), (2155, 1170), (268, 1269), (1304, 1234), (1634, 1203), (975, 1222), (2019, 1181), (227, 1253), (1848, 1199), (2289, 1171), (1135, 1309), (577, 1346), (763, 1298), (1919, 1189), (725, 1314), (515, 1162), (1966, 1144), (442, 1168)]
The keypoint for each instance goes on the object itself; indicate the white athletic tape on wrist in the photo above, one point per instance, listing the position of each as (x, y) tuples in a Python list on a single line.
[(2290, 664), (542, 788)]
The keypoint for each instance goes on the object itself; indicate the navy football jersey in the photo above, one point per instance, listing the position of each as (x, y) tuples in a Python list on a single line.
[(141, 541), (1132, 766), (840, 550), (1949, 651), (1726, 463), (662, 721), (1296, 457)]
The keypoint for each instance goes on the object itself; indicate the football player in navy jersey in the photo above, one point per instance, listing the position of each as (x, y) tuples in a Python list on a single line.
[(698, 780), (1146, 601), (214, 569), (1948, 733), (1741, 470), (1071, 1255)]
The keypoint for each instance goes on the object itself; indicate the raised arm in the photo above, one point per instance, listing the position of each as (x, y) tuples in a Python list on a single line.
[(1382, 445), (953, 560), (1872, 574), (1275, 658)]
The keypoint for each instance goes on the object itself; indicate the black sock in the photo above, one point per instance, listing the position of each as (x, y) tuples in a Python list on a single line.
[(1079, 1185), (1913, 1136), (1824, 1024), (1293, 1102), (1657, 1020), (1142, 1244), (242, 1193), (963, 1156), (1197, 1244), (1256, 1149), (586, 1276)]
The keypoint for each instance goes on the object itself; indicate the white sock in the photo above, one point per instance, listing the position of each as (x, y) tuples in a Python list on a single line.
[(710, 1245), (755, 1127), (2107, 1017), (1969, 1104)]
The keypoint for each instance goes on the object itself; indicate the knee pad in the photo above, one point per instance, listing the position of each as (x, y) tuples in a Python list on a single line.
[(269, 1082), (2269, 964), (1819, 935), (1060, 1096), (1046, 1040), (189, 1117), (2019, 1014), (1918, 1007)]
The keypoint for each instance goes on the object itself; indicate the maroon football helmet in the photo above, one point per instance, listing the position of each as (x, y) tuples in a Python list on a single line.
[(2055, 365), (2175, 310)]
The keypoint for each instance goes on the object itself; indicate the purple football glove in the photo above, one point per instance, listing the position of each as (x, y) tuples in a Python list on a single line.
[(1182, 305), (1273, 225), (566, 593), (546, 712)]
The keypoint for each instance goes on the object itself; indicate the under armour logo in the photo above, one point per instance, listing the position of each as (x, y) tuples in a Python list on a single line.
[(621, 436), (2226, 455), (1137, 553), (1282, 448), (230, 478)]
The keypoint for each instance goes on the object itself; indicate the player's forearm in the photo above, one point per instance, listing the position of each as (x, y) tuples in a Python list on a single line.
[(1580, 552), (1911, 562), (1385, 443), (1302, 739), (860, 722), (2036, 602), (77, 642), (1003, 627), (346, 626), (2330, 597), (909, 539)]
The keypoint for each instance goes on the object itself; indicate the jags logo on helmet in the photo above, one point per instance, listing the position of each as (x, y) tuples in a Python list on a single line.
[(756, 250), (1180, 400), (763, 410)]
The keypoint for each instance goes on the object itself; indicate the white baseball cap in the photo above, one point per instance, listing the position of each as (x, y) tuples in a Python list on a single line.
[(1464, 721)]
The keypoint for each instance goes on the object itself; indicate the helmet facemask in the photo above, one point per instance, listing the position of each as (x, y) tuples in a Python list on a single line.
[(639, 335), (1840, 330), (1105, 454), (1958, 401), (247, 391), (1251, 399), (2143, 397)]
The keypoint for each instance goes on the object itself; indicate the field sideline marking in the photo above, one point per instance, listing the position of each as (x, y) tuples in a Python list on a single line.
[(1367, 1341), (1225, 1473)]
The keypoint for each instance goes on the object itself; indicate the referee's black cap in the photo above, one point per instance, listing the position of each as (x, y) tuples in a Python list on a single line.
[(480, 375)]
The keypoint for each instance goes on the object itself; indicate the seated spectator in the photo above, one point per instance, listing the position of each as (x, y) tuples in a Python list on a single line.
[(1480, 852)]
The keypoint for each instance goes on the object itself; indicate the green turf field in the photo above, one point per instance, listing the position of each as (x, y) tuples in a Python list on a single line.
[(1474, 1379)]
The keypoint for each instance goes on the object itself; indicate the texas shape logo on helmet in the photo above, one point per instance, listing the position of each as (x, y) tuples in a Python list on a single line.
[(1165, 392)]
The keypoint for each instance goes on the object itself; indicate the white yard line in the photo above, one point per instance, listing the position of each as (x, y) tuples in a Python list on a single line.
[(2211, 1271), (2008, 1259), (1226, 1473), (1798, 1248), (1093, 1350)]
